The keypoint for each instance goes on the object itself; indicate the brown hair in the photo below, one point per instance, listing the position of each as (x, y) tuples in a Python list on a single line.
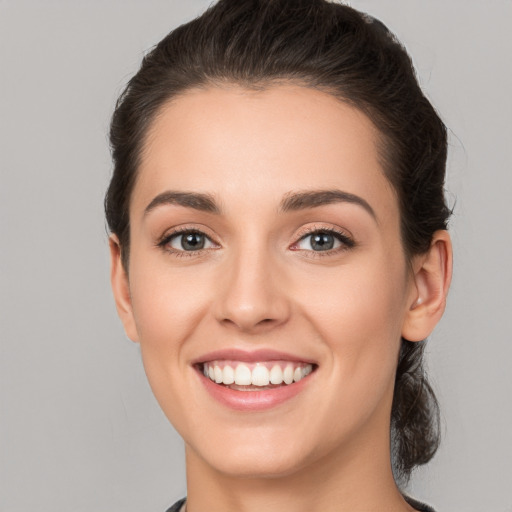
[(354, 57)]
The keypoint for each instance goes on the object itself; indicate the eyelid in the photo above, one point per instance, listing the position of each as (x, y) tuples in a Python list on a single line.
[(344, 236), (169, 234)]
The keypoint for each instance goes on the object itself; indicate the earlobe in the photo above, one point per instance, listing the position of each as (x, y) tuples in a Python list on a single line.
[(121, 289), (432, 276)]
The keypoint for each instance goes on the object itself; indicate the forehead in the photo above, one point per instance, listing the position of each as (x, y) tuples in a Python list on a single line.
[(245, 145)]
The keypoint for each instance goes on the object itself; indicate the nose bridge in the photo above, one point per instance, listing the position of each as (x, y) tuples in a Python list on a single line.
[(252, 296)]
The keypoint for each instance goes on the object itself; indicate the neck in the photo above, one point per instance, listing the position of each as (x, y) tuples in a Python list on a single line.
[(353, 480)]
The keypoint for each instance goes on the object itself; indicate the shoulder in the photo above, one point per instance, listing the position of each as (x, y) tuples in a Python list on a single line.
[(177, 506), (420, 507)]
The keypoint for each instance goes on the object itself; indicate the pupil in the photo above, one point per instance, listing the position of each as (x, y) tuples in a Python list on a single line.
[(322, 242), (192, 241)]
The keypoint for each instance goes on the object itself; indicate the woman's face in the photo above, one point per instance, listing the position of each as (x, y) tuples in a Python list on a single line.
[(265, 245)]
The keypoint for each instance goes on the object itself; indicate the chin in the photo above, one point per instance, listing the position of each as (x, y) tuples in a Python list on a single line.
[(256, 453), (255, 462)]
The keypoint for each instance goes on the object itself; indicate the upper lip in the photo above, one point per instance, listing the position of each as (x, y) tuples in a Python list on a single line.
[(252, 356)]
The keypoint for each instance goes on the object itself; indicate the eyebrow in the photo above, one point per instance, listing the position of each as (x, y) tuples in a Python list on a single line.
[(293, 201), (314, 198), (195, 200)]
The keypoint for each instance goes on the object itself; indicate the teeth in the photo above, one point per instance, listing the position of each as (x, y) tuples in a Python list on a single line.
[(261, 375), (228, 375), (243, 376), (217, 372), (287, 374), (276, 375)]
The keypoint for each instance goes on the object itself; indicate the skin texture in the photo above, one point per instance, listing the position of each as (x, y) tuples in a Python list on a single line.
[(258, 284)]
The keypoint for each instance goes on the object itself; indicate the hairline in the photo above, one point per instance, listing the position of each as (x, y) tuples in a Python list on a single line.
[(383, 143)]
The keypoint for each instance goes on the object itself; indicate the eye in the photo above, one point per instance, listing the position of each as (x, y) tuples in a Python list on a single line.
[(188, 241), (323, 240)]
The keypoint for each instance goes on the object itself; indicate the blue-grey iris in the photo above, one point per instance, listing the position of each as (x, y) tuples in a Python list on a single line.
[(192, 241), (322, 241)]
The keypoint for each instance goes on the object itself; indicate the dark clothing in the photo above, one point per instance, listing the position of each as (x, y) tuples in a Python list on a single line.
[(421, 507), (176, 507)]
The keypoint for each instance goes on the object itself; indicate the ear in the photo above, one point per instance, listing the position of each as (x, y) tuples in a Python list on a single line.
[(121, 289), (432, 274)]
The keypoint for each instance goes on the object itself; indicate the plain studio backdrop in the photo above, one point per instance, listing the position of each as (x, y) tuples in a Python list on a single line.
[(79, 428)]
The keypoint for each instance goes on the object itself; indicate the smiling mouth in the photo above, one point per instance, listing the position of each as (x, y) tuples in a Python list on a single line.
[(257, 376)]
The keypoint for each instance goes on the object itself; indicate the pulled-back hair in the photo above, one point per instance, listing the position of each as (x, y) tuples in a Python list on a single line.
[(348, 54)]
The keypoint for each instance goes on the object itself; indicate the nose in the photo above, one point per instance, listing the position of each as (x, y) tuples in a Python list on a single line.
[(253, 294)]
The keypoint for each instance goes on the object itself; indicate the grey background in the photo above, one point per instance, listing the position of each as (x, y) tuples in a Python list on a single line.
[(79, 428)]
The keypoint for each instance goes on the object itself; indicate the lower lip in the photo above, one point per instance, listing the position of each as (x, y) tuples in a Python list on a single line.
[(253, 400)]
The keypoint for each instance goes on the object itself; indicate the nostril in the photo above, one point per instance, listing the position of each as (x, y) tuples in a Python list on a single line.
[(249, 323)]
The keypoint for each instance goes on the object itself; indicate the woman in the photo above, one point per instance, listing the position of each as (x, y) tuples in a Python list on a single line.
[(279, 250)]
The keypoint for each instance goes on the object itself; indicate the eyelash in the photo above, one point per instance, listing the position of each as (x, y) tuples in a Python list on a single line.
[(346, 241), (166, 239)]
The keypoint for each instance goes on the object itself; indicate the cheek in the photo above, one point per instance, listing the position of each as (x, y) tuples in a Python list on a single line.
[(358, 313), (167, 305), (357, 297)]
